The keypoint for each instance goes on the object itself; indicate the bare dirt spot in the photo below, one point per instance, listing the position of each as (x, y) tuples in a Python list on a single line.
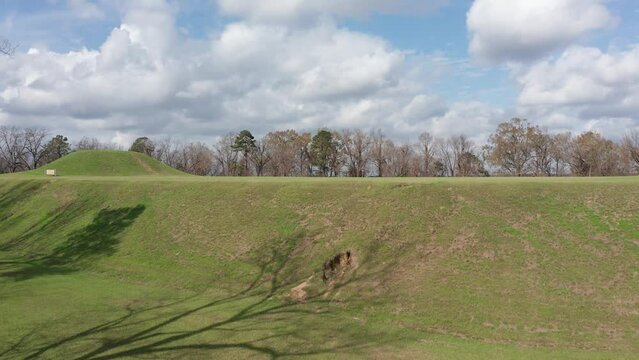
[(610, 332), (523, 223), (463, 241), (145, 166), (583, 290), (489, 255), (298, 293), (531, 265), (628, 307), (505, 326), (528, 248), (618, 280), (552, 328), (334, 268)]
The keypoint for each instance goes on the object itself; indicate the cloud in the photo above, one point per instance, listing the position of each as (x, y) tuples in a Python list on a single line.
[(585, 77), (525, 30), (307, 11), (585, 84), (146, 78), (85, 9)]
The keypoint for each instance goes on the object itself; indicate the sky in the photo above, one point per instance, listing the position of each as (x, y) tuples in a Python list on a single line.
[(197, 70)]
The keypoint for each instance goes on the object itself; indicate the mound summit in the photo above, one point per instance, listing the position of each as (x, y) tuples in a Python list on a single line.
[(107, 163)]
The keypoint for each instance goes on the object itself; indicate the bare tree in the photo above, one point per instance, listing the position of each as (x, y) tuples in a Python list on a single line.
[(166, 151), (541, 148), (260, 156), (303, 157), (471, 165), (560, 152), (631, 147), (427, 152), (378, 151), (335, 155), (593, 155), (88, 143), (13, 149), (355, 145), (464, 158), (226, 159), (35, 146), (509, 147), (91, 143), (285, 148), (400, 160), (196, 158), (447, 157), (7, 47)]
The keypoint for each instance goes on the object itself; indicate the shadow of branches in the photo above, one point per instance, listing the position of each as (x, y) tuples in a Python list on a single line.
[(270, 324), (99, 238), (12, 196)]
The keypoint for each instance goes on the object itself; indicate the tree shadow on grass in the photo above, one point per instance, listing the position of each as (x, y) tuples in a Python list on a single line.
[(267, 322), (12, 196), (100, 238)]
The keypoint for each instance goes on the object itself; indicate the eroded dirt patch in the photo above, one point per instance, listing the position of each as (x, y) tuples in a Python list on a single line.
[(334, 268), (299, 293)]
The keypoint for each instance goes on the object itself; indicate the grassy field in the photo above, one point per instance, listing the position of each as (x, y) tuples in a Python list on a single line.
[(102, 266)]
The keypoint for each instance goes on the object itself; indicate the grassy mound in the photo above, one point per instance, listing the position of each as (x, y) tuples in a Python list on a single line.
[(107, 163), (322, 268)]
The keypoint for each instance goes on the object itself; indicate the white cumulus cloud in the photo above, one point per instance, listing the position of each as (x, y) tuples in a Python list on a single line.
[(594, 88), (523, 30), (146, 78)]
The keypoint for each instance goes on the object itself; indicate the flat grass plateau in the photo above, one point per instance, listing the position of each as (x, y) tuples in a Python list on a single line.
[(173, 266)]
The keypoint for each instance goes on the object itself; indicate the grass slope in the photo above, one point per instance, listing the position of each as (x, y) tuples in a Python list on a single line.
[(108, 267), (107, 163)]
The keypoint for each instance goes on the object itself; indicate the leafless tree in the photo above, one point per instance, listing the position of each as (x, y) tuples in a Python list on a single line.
[(446, 156), (91, 143), (401, 160), (593, 155), (355, 145), (378, 152), (303, 157), (631, 147), (226, 160), (560, 152), (7, 47), (336, 156), (196, 158), (509, 147), (88, 143), (260, 156), (541, 148), (35, 141), (285, 148), (13, 149), (464, 158), (427, 153)]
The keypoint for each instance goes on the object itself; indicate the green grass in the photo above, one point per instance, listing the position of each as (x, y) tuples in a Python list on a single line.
[(98, 267), (107, 163)]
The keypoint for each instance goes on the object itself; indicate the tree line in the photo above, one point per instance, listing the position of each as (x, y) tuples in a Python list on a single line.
[(516, 148)]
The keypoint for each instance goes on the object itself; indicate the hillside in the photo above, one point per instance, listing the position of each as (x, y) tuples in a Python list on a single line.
[(107, 163), (233, 268)]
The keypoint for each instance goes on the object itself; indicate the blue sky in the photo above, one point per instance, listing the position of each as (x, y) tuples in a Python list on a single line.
[(406, 66)]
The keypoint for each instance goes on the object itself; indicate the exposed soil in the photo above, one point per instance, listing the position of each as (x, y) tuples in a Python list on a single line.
[(298, 293), (335, 267)]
